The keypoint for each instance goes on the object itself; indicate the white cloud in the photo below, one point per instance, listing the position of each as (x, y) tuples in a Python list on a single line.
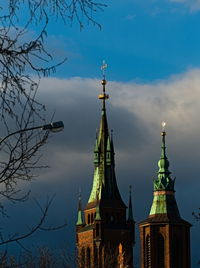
[(138, 108), (135, 110), (193, 5)]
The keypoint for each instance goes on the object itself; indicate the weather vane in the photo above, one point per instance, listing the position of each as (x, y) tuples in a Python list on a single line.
[(103, 68), (104, 96)]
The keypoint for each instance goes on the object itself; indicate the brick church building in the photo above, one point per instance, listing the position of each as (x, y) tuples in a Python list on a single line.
[(105, 230)]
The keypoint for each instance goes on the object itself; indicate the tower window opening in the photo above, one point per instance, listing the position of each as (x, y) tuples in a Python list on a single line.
[(82, 260), (161, 251), (88, 258), (177, 252), (92, 218), (88, 218)]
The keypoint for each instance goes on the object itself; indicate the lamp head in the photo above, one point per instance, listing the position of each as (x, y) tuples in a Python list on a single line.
[(54, 126)]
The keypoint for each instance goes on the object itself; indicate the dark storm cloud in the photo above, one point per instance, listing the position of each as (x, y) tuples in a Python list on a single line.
[(78, 106), (135, 112)]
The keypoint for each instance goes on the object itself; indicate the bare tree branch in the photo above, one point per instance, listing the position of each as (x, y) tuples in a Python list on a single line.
[(24, 59), (39, 226)]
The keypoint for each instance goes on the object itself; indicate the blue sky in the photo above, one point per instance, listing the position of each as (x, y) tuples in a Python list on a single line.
[(153, 53), (143, 40)]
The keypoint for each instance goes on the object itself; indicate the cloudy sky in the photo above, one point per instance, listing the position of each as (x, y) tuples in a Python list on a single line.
[(153, 56)]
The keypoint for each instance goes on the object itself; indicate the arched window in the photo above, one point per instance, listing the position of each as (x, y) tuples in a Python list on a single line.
[(92, 218), (176, 252), (148, 252), (161, 252), (88, 218), (88, 258), (82, 258)]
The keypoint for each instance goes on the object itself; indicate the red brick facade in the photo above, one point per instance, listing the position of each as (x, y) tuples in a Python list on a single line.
[(98, 242), (165, 244)]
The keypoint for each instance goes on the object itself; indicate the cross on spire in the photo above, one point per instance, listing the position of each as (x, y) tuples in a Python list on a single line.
[(103, 68), (104, 96)]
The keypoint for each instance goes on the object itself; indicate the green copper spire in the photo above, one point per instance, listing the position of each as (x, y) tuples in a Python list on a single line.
[(79, 219), (98, 216), (130, 209), (164, 201), (104, 182), (163, 181), (96, 152)]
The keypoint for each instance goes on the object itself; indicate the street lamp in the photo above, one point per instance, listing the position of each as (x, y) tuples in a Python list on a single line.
[(53, 127)]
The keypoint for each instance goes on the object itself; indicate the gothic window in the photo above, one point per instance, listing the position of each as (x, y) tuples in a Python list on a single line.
[(92, 218), (96, 258), (161, 251), (82, 258), (176, 252), (88, 218), (88, 258), (148, 252)]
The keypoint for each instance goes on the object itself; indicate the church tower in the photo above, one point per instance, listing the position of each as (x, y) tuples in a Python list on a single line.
[(164, 235), (104, 234)]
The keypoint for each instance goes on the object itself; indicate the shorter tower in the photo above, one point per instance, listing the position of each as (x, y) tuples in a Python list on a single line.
[(106, 237), (164, 235)]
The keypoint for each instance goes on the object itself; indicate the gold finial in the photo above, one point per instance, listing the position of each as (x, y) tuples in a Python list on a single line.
[(104, 96), (163, 133)]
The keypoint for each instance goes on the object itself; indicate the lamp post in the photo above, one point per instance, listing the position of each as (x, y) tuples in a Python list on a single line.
[(53, 127)]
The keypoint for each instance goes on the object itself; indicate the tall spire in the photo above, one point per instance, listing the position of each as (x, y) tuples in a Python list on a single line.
[(130, 208), (163, 181), (79, 218), (104, 182), (164, 201)]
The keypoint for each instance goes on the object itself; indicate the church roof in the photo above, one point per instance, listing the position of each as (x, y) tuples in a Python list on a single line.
[(104, 181), (164, 201)]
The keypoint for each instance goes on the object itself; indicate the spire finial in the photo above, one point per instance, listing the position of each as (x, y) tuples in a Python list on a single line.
[(130, 209), (79, 199), (103, 68), (163, 133), (79, 219), (163, 181), (104, 96)]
